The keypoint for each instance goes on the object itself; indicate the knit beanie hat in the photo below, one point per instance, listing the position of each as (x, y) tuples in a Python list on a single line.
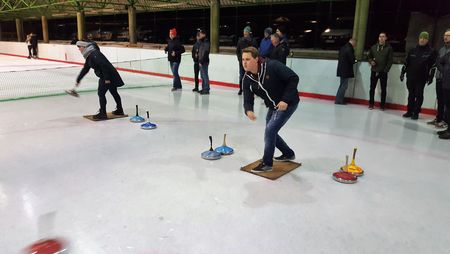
[(248, 29), (424, 35)]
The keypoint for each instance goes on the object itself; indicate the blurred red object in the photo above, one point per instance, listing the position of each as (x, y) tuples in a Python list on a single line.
[(47, 246)]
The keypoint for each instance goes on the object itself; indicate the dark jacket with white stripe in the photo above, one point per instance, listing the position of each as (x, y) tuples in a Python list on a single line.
[(274, 82), (102, 68)]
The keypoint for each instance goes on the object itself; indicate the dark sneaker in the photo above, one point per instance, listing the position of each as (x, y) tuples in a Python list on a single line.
[(175, 89), (445, 135), (261, 168), (370, 106), (240, 92), (442, 132), (284, 158), (195, 89), (434, 122), (100, 116), (204, 92), (118, 112), (441, 125), (407, 114), (383, 108), (415, 116)]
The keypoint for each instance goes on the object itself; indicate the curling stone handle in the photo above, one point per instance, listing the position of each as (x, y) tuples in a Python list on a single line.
[(210, 142), (354, 153), (148, 115), (224, 138), (137, 110), (346, 160)]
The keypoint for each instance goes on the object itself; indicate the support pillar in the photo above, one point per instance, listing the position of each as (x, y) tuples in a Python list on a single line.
[(19, 30), (132, 24), (80, 25), (45, 29), (214, 27)]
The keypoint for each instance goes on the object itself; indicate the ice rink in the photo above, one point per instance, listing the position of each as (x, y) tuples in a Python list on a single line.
[(114, 188)]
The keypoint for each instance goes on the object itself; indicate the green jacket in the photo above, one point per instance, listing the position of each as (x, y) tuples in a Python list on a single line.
[(383, 57)]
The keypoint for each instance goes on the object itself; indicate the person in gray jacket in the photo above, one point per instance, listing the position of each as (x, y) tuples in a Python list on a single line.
[(203, 61), (439, 122)]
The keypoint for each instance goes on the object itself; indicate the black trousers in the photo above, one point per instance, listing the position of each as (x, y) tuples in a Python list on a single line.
[(440, 101), (446, 93), (102, 89), (241, 75), (34, 50), (196, 72), (29, 50), (415, 94), (374, 77)]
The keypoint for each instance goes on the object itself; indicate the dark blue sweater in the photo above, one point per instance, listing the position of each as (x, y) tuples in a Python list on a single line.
[(274, 82)]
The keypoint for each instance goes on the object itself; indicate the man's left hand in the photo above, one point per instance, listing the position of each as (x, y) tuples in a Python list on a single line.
[(107, 81), (282, 106)]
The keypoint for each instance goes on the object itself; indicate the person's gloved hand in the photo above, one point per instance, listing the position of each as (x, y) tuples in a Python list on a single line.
[(402, 76), (430, 80)]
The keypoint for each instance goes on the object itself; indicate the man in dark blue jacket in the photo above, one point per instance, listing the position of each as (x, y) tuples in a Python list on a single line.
[(276, 84), (265, 47), (109, 77), (345, 69), (174, 50), (203, 60), (418, 69)]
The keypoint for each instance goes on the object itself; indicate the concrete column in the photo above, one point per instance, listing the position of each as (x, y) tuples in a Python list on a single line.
[(362, 28), (81, 32), (45, 29), (132, 24), (356, 20), (19, 30), (214, 27)]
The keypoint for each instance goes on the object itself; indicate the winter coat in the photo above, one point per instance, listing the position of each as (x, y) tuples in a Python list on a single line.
[(102, 68), (195, 48), (174, 45), (275, 82), (265, 47), (203, 51), (383, 57), (346, 61), (444, 68), (244, 42), (419, 62), (442, 52), (280, 52)]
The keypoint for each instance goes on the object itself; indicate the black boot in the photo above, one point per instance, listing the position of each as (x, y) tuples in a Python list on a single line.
[(101, 115), (408, 114), (445, 135), (442, 132), (118, 112), (195, 89), (240, 92), (415, 116)]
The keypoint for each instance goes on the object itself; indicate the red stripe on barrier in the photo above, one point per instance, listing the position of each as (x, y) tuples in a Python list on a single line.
[(393, 106)]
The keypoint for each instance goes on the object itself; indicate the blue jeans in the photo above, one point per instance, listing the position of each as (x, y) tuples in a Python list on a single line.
[(176, 77), (205, 77), (274, 121), (340, 96)]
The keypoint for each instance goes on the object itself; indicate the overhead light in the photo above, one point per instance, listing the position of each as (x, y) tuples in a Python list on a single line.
[(327, 30), (313, 21), (308, 31), (59, 14)]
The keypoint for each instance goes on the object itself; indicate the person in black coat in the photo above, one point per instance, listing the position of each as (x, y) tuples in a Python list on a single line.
[(174, 49), (34, 44), (277, 85), (203, 60), (109, 80), (280, 49), (195, 59), (345, 69), (419, 71), (443, 66), (244, 42)]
